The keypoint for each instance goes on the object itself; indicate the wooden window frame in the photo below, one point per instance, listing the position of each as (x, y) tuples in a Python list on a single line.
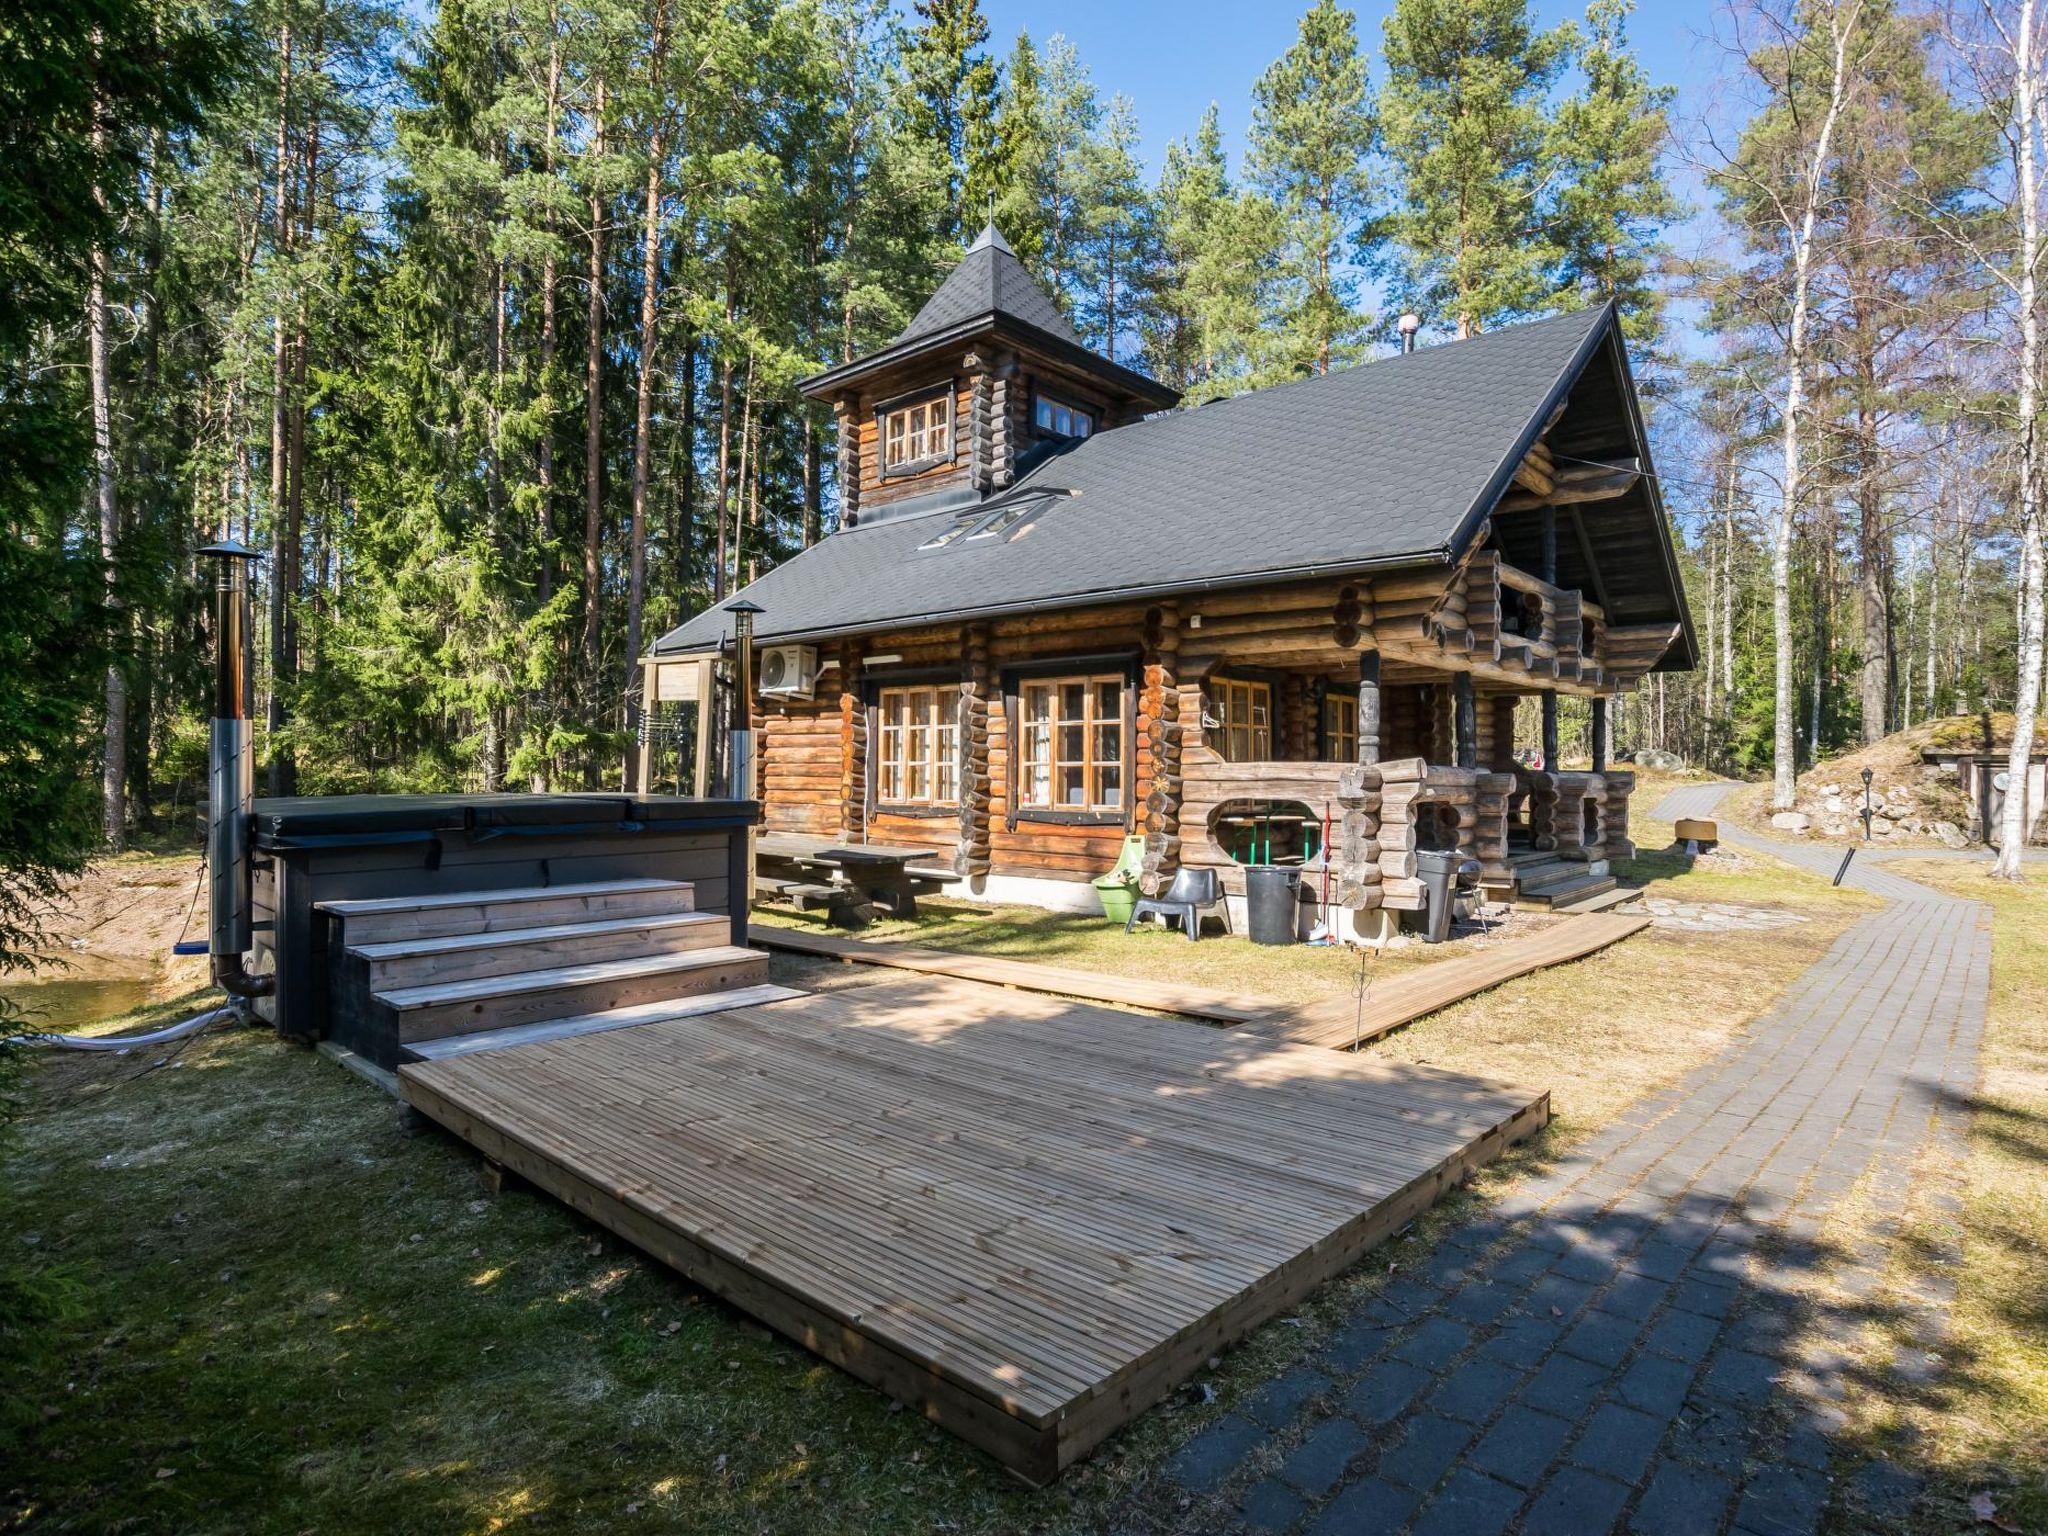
[(1067, 403), (941, 681), (1219, 738), (1328, 736), (919, 400), (1119, 665)]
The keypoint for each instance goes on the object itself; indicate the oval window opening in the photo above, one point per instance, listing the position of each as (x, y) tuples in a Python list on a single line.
[(1266, 831)]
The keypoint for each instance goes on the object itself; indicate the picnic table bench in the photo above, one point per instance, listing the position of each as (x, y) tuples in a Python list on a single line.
[(850, 881)]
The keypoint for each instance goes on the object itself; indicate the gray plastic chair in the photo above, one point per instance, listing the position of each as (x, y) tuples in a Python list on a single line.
[(1192, 893)]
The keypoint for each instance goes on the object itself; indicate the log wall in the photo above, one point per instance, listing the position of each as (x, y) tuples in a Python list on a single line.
[(815, 754)]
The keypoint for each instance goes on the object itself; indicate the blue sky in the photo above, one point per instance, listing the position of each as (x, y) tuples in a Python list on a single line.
[(1173, 57)]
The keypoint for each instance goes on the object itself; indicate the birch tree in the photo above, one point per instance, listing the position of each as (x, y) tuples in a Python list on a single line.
[(1776, 186)]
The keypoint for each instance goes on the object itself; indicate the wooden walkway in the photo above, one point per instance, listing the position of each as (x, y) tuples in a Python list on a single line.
[(1029, 1216), (1341, 1023), (1093, 986)]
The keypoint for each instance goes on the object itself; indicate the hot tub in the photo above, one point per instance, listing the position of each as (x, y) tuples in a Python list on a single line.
[(313, 849)]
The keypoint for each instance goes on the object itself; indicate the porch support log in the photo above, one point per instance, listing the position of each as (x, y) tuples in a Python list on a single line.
[(1368, 707), (1466, 724), (1546, 567), (1600, 733)]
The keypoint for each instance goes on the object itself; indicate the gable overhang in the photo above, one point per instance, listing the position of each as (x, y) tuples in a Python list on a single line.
[(1136, 386), (1602, 345)]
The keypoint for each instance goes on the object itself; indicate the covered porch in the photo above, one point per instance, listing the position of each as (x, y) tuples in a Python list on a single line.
[(1346, 731)]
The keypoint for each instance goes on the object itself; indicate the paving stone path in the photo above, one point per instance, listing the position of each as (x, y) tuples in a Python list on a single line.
[(1632, 1340)]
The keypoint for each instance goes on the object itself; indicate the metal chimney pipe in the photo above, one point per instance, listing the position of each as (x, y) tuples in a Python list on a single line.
[(231, 777)]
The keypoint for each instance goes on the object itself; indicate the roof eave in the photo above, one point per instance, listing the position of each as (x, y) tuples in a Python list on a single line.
[(822, 386), (1089, 599)]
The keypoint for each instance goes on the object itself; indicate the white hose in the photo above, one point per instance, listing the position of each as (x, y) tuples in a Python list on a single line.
[(190, 1026)]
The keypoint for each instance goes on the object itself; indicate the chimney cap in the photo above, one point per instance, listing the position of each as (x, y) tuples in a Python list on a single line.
[(1409, 323), (229, 549)]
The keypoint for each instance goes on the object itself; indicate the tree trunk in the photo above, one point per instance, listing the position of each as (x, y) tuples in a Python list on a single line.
[(1785, 745), (593, 407), (2026, 110), (281, 235), (114, 769), (544, 468), (643, 395), (1874, 582)]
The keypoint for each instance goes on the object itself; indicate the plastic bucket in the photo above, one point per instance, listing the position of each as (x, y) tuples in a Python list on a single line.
[(1117, 899), (1270, 904)]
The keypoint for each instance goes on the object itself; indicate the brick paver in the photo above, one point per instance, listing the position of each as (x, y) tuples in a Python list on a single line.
[(1624, 1342)]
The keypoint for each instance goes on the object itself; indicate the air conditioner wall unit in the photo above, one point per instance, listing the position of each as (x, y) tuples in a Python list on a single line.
[(789, 671)]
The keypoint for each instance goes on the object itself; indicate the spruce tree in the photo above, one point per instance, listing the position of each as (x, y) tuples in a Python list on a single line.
[(1023, 142), (1312, 133), (1463, 117), (953, 85)]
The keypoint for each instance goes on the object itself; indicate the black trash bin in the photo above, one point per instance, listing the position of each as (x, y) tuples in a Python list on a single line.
[(1269, 903), (1439, 871)]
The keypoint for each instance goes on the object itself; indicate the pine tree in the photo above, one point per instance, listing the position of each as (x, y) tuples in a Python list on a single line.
[(1312, 131), (1463, 118), (1065, 178), (1612, 202), (1119, 259), (1219, 251)]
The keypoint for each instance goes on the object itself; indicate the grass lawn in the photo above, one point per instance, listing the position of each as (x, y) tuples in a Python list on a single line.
[(274, 1310)]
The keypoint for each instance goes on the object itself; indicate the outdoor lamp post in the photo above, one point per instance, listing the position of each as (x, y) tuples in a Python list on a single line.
[(1866, 805)]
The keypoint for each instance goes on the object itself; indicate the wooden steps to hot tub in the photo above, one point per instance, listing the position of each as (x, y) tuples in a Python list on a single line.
[(505, 965)]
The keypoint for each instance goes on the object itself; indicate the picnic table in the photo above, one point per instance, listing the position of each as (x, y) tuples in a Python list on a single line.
[(850, 880)]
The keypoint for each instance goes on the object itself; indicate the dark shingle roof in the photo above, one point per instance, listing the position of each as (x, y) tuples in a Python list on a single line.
[(990, 280), (1389, 463)]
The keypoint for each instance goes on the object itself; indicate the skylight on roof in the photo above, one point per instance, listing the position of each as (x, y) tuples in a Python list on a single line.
[(1002, 522)]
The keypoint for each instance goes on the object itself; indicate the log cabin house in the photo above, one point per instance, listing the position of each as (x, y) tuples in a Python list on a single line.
[(1058, 613)]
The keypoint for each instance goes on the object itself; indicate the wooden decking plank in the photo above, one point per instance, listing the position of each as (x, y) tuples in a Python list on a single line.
[(1095, 986), (629, 1017), (1030, 1216), (1389, 1005)]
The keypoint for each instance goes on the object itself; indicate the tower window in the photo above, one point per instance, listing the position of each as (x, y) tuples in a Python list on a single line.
[(1056, 418), (917, 435)]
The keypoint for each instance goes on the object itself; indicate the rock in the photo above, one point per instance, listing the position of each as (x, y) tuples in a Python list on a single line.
[(1834, 828), (1836, 804), (1881, 827), (1949, 834), (1831, 789), (1791, 821), (1650, 757)]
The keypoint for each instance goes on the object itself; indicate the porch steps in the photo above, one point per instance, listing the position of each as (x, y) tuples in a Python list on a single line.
[(507, 966), (595, 1023), (401, 963), (1601, 902), (528, 997), (1545, 881), (389, 918)]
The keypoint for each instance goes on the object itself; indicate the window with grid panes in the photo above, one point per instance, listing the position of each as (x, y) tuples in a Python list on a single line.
[(918, 746), (1071, 744), (1245, 712)]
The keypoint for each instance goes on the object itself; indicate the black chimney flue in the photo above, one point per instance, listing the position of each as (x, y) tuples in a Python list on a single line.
[(231, 777)]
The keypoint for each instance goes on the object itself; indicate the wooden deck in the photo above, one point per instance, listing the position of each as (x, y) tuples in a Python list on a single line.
[(1060, 981), (1027, 1215), (1340, 1023)]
